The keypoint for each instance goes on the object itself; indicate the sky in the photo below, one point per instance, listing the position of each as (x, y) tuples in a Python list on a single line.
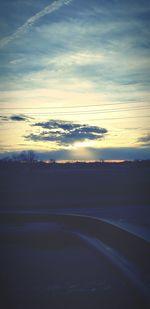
[(75, 78)]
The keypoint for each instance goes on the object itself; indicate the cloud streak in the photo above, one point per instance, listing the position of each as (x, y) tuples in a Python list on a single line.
[(56, 5), (16, 118), (144, 140)]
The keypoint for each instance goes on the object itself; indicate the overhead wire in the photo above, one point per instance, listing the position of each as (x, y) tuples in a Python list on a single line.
[(142, 107), (74, 106)]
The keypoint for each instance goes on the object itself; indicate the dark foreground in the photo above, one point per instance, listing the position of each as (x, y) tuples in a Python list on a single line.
[(46, 186), (56, 265), (46, 262)]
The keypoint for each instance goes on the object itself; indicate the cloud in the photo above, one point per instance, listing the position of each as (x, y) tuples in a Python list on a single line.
[(14, 118), (66, 133), (3, 118), (31, 21), (18, 118), (144, 140), (110, 54)]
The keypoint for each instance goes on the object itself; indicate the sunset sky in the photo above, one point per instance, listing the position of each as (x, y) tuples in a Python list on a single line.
[(75, 78)]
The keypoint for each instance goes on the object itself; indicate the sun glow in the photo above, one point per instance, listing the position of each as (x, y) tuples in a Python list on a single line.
[(84, 144), (81, 150)]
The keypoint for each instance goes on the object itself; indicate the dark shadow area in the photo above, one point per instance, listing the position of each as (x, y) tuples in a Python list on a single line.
[(39, 185), (66, 275)]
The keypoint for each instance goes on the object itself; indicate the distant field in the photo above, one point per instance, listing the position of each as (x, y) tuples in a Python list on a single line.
[(43, 186)]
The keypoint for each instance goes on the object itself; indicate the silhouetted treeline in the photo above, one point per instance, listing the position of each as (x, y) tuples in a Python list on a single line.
[(4, 163)]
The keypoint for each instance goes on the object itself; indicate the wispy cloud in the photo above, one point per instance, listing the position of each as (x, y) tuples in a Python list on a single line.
[(144, 140), (66, 133), (3, 118), (31, 21)]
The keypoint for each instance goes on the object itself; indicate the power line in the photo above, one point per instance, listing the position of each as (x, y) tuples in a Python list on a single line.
[(89, 112), (73, 106), (95, 119), (97, 111), (132, 117)]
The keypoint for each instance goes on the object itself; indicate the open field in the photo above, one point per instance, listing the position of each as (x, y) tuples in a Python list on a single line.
[(43, 186)]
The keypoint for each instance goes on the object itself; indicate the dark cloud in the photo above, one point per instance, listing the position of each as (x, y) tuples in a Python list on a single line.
[(57, 124), (18, 118), (14, 118), (66, 132), (3, 118), (145, 140)]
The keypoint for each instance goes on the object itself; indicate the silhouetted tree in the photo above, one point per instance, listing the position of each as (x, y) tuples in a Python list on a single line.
[(52, 161), (31, 156), (25, 156)]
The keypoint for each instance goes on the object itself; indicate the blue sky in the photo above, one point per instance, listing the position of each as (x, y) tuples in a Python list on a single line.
[(81, 63)]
